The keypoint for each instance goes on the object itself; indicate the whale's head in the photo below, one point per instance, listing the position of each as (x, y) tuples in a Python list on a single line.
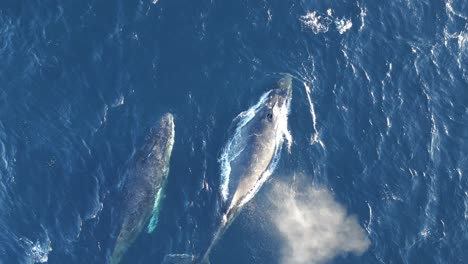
[(276, 106), (158, 147), (166, 135)]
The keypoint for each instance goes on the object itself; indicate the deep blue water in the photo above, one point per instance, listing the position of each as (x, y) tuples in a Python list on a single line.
[(82, 82)]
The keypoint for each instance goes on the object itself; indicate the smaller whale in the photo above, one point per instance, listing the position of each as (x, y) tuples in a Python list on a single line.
[(144, 189)]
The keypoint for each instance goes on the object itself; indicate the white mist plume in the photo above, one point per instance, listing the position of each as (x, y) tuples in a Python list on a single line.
[(315, 228)]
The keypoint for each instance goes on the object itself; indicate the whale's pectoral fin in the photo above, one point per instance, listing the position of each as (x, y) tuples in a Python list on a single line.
[(179, 259), (155, 214)]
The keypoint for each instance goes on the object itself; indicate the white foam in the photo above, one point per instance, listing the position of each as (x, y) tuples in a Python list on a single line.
[(316, 22), (97, 210), (39, 252), (105, 110), (367, 76), (389, 72), (285, 134), (449, 8), (119, 101), (425, 233), (443, 228), (368, 226), (343, 25), (3, 159), (461, 37), (434, 137), (362, 15), (315, 138), (320, 23), (466, 205), (462, 40)]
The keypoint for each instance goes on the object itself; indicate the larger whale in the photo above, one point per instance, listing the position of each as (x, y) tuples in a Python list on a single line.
[(249, 158), (145, 187)]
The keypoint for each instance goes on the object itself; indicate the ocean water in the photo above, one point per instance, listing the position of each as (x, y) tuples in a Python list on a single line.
[(379, 120)]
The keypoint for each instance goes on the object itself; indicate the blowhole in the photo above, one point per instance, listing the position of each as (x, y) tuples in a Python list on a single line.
[(270, 116)]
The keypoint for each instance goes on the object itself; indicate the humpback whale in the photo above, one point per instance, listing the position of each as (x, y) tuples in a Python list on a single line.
[(249, 158), (146, 180)]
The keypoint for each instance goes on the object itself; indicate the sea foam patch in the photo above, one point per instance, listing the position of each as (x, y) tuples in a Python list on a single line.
[(320, 23), (37, 251)]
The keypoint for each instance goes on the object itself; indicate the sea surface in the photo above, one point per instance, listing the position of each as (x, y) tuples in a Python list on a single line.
[(378, 118)]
